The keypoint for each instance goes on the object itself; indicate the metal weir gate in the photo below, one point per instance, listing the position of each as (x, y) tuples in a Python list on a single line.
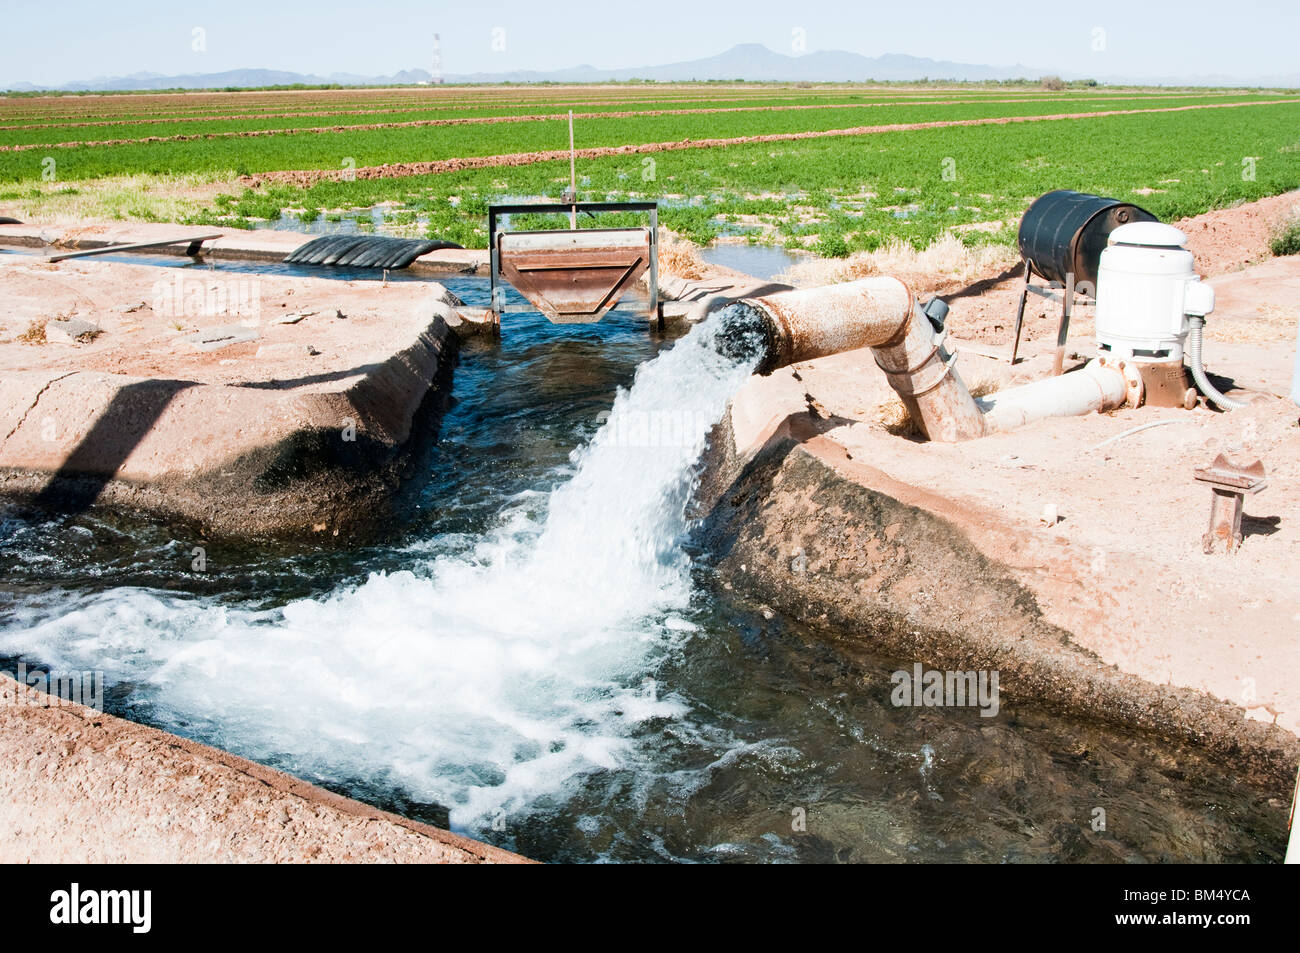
[(573, 275)]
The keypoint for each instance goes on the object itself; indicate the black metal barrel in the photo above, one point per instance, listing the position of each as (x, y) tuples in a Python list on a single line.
[(1065, 232)]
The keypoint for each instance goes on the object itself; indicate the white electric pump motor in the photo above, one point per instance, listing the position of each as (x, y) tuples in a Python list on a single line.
[(1146, 287)]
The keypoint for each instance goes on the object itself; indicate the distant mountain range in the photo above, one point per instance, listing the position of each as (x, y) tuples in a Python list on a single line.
[(748, 61)]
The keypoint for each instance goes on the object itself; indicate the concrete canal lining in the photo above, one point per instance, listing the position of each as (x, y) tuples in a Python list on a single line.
[(81, 786), (245, 403), (814, 508)]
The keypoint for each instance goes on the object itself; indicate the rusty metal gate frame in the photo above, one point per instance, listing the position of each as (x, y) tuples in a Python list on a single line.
[(498, 305)]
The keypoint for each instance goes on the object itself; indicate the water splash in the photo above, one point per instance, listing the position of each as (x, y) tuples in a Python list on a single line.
[(479, 679)]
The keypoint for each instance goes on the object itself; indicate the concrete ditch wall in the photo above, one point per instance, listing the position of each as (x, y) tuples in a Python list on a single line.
[(308, 422), (80, 786), (799, 524), (239, 438)]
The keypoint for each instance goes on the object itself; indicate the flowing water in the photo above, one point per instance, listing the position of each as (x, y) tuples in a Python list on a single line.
[(541, 660)]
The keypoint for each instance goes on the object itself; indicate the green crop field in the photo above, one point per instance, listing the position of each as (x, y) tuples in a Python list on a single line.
[(831, 168)]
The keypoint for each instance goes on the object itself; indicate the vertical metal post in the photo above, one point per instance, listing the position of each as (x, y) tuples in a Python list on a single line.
[(1063, 331), (655, 314), (493, 263), (1225, 520), (1230, 483), (573, 176), (1020, 314)]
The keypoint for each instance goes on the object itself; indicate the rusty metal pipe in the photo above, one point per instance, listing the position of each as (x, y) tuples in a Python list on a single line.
[(816, 322), (882, 314)]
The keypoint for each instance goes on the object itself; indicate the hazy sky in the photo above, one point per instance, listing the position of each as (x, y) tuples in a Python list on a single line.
[(53, 43)]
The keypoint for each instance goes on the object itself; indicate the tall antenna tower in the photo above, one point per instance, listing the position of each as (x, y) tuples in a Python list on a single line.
[(436, 71)]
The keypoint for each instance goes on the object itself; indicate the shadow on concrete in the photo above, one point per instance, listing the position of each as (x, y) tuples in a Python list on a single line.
[(360, 371), (1226, 386), (770, 288), (705, 303), (130, 415)]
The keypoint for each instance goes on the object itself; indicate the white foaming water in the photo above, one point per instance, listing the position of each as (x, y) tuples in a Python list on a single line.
[(478, 681)]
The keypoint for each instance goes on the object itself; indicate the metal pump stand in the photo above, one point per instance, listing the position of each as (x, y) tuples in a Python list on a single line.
[(1067, 309)]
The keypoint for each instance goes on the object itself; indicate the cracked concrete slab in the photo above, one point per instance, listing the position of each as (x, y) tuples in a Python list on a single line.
[(241, 402)]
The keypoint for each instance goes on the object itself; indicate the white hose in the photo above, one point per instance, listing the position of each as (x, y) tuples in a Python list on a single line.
[(1137, 429), (1198, 371)]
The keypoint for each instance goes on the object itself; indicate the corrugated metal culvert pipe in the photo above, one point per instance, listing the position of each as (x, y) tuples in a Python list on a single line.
[(881, 313)]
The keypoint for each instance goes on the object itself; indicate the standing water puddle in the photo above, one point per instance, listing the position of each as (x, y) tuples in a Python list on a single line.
[(539, 663), (761, 261)]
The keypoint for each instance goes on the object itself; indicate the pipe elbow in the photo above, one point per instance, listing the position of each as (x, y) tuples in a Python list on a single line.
[(882, 314)]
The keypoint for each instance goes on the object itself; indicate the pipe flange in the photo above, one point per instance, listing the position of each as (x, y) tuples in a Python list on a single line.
[(1134, 387)]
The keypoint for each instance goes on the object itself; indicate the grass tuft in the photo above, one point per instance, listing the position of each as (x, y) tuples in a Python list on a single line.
[(946, 264), (1285, 239), (35, 333), (678, 258)]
